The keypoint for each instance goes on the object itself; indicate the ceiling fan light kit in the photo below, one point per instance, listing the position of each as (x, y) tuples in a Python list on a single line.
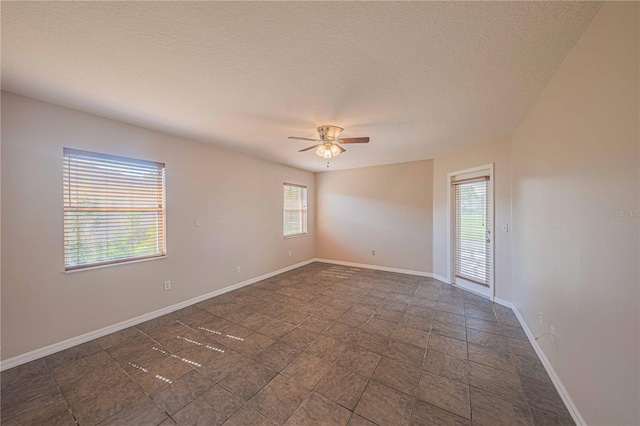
[(327, 148)]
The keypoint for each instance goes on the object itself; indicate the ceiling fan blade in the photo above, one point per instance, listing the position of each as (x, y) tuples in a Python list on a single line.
[(304, 139), (311, 147), (354, 140), (341, 149)]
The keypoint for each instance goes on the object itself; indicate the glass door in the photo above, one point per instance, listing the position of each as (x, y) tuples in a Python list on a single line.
[(473, 234)]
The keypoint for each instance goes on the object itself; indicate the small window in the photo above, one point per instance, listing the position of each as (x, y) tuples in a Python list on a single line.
[(295, 210), (114, 209)]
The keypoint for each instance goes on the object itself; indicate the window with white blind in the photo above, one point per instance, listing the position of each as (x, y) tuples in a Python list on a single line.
[(114, 209), (295, 210), (473, 230)]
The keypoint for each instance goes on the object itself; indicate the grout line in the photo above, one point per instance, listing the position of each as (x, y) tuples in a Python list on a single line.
[(67, 403), (324, 291), (109, 329), (366, 386), (132, 380)]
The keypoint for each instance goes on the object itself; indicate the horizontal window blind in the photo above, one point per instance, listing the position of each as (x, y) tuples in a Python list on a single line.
[(114, 209), (473, 231), (295, 210)]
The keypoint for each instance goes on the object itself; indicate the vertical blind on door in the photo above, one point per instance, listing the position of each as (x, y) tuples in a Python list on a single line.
[(473, 230), (114, 209), (295, 210)]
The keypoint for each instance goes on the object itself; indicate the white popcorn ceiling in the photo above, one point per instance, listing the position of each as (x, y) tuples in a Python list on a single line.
[(420, 79)]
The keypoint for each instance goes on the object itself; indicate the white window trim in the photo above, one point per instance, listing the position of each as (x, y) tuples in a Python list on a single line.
[(67, 270), (306, 211), (126, 262)]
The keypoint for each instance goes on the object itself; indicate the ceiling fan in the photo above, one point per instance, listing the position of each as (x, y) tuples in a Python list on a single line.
[(327, 146)]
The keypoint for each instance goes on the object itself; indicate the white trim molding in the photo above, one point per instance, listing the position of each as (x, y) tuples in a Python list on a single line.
[(562, 391), (473, 291), (83, 338), (441, 278), (380, 268), (65, 344)]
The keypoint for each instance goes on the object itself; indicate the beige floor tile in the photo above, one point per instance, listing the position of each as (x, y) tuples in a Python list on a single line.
[(398, 375), (445, 393), (384, 405), (303, 347), (307, 370), (446, 366), (279, 399), (317, 410), (342, 386), (427, 414)]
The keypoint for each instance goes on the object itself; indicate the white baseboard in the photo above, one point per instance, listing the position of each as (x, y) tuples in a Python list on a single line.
[(562, 391), (83, 338), (441, 278), (380, 268), (65, 344), (474, 291), (507, 305)]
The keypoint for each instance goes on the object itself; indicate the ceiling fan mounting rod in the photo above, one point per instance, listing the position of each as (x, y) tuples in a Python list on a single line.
[(329, 133)]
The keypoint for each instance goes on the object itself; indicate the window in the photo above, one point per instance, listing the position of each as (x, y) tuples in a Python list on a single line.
[(295, 210), (114, 209)]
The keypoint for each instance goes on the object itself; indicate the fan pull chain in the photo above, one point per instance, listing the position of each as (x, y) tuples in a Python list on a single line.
[(327, 164)]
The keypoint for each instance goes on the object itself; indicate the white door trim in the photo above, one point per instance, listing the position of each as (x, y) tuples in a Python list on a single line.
[(450, 220)]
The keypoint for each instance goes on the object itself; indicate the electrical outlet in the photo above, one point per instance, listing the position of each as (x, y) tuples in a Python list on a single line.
[(540, 318), (290, 253), (237, 269), (373, 252), (167, 285), (553, 335)]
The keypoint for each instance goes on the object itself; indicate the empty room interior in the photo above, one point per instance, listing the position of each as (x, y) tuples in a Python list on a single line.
[(320, 213)]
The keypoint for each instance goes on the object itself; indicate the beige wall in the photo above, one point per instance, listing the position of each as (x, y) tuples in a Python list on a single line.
[(574, 157), (497, 153), (238, 200), (384, 208)]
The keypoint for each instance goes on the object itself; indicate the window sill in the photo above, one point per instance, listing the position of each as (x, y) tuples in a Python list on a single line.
[(286, 237), (128, 262)]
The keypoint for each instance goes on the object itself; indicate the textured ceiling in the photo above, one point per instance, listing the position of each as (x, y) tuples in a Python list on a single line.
[(420, 79)]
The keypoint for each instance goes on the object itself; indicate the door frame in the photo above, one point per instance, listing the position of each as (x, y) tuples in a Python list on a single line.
[(450, 231)]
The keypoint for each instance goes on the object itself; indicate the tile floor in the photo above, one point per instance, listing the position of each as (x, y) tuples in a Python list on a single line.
[(321, 344)]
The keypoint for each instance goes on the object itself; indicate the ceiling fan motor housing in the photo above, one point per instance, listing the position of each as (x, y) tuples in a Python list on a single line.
[(329, 133)]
